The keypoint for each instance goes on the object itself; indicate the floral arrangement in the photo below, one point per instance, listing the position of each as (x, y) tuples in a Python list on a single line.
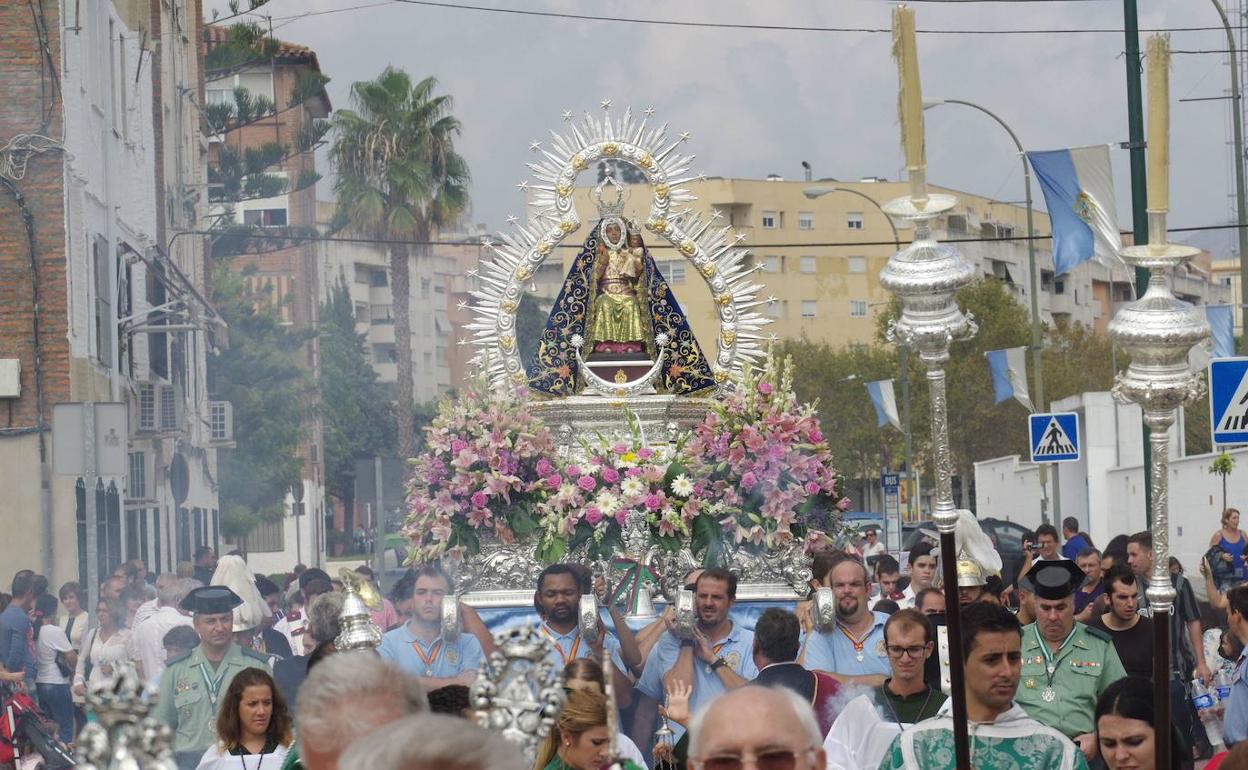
[(489, 463), (756, 472)]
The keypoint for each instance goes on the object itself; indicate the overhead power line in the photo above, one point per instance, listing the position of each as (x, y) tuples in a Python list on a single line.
[(286, 20)]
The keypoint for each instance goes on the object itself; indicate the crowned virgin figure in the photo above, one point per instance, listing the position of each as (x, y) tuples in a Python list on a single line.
[(617, 302)]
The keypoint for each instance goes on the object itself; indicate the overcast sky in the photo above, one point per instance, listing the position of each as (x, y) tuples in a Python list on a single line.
[(759, 102)]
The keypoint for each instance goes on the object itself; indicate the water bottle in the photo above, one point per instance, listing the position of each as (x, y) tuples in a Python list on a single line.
[(1222, 685), (1202, 702)]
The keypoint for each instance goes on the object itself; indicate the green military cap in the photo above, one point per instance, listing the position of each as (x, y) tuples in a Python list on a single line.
[(210, 600)]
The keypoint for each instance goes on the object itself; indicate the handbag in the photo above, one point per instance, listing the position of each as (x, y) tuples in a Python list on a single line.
[(62, 665)]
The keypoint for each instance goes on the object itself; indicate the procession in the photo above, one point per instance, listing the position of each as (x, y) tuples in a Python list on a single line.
[(625, 536)]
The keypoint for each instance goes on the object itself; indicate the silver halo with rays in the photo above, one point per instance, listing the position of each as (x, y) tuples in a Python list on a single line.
[(712, 249)]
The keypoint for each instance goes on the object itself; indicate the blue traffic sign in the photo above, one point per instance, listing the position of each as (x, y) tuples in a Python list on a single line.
[(1228, 400), (1054, 437), (891, 482)]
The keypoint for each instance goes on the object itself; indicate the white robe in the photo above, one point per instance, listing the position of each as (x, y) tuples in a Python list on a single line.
[(215, 758), (859, 738)]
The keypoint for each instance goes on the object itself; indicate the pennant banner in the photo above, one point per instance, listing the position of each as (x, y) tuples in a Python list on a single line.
[(1078, 186)]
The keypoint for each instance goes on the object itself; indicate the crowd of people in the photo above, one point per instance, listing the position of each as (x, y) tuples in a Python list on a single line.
[(1058, 663)]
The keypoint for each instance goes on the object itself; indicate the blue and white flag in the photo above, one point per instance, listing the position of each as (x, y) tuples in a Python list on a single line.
[(1078, 186), (1222, 324), (881, 392), (1009, 375)]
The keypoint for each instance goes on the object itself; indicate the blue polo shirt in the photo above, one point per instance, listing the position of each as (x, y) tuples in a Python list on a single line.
[(836, 653), (1235, 718), (444, 660), (570, 647), (737, 648)]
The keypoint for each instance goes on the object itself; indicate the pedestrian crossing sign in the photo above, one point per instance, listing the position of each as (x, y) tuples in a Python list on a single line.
[(1228, 400), (1054, 437)]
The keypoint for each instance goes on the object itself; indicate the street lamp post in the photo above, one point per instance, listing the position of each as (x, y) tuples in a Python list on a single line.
[(1037, 340), (1241, 209), (815, 192)]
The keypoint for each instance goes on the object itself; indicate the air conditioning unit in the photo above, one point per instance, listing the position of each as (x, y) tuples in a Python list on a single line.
[(160, 409), (221, 423)]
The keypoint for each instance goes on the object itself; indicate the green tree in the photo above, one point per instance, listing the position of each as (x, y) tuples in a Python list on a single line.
[(399, 177), (836, 381), (357, 412), (259, 374)]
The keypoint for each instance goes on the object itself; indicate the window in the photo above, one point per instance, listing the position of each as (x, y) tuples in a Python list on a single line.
[(853, 220), (380, 314), (773, 264), (857, 265), (805, 220), (379, 278), (425, 286), (428, 358), (857, 308), (1059, 286), (441, 354), (674, 271), (361, 312), (385, 354), (120, 111), (769, 220), (218, 96), (808, 308), (257, 83), (778, 309), (102, 260), (265, 217), (136, 489), (808, 265)]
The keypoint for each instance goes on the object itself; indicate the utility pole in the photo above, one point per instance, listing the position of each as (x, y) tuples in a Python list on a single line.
[(1139, 192)]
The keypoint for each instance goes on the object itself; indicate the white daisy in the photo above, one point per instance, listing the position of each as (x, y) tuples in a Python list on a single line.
[(632, 487), (682, 486), (608, 503)]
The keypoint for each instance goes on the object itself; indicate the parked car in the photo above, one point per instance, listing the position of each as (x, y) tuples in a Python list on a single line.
[(1008, 536)]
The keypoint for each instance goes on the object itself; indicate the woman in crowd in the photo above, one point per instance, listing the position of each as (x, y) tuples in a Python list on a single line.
[(253, 725), (579, 739), (52, 674), (105, 646), (1125, 730), (586, 674), (1231, 541), (74, 620)]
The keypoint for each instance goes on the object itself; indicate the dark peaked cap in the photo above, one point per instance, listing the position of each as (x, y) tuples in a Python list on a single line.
[(1056, 579), (210, 600)]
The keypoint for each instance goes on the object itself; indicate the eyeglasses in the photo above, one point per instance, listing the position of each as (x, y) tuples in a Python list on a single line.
[(896, 651), (771, 759)]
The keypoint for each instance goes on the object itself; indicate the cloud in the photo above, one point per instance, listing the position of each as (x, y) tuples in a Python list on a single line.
[(762, 101)]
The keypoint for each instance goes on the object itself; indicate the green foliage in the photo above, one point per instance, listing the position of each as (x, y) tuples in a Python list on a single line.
[(260, 376), (1222, 465), (399, 177), (246, 44), (357, 413)]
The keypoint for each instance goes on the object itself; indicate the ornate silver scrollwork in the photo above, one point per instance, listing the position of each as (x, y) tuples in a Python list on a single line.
[(1158, 331), (519, 692), (125, 736), (587, 618), (683, 623), (825, 609)]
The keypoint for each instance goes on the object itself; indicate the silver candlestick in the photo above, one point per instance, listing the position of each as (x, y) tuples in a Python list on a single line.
[(925, 277), (1158, 331), (519, 692)]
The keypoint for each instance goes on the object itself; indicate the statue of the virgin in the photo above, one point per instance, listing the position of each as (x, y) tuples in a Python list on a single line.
[(616, 300)]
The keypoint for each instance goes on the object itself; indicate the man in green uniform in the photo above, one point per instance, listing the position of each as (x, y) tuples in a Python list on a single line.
[(1066, 665), (192, 684)]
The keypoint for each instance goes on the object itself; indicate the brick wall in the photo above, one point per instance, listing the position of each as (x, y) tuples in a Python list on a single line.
[(27, 90)]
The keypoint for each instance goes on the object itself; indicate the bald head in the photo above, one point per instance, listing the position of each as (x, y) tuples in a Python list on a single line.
[(753, 720)]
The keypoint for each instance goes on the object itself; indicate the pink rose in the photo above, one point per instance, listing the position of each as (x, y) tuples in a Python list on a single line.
[(653, 502), (610, 475), (645, 453), (586, 483), (544, 467), (554, 481), (573, 470), (621, 516), (764, 388), (633, 473), (816, 436), (620, 449), (593, 515), (749, 480), (812, 488), (479, 499), (458, 445)]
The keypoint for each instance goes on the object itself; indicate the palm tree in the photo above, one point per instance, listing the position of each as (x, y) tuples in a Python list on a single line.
[(399, 179)]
